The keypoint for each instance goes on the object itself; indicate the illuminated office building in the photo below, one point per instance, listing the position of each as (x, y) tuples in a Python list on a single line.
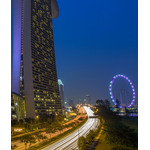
[(34, 73), (61, 91), (18, 111)]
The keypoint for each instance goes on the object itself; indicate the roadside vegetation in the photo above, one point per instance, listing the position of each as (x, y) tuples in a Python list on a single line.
[(116, 133), (85, 142), (73, 126), (32, 126), (58, 129)]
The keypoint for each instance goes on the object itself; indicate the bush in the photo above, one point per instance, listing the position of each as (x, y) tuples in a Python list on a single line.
[(81, 118)]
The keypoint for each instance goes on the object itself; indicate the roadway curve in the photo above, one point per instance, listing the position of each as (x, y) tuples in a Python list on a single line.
[(70, 142)]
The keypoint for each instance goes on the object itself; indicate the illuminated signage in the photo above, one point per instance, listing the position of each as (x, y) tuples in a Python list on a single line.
[(19, 129), (73, 114)]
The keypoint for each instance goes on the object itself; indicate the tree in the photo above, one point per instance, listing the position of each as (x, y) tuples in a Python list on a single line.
[(29, 123), (50, 129), (27, 139), (60, 118), (120, 136), (100, 102), (104, 111), (21, 122), (59, 127), (90, 137), (107, 103), (127, 112), (32, 140), (82, 143), (44, 138), (39, 136)]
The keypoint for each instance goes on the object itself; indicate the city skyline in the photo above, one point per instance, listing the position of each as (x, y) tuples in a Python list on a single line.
[(74, 75), (95, 45)]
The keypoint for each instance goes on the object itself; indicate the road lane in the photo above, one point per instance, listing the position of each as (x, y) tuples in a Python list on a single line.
[(70, 142)]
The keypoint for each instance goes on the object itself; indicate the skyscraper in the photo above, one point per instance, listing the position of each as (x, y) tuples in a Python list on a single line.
[(70, 102), (88, 99), (61, 91), (34, 73)]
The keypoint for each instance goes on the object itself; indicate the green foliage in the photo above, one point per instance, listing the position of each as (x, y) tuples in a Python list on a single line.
[(44, 138), (47, 142), (119, 135), (40, 136), (82, 143), (85, 142), (81, 118), (28, 139), (50, 129), (104, 111), (60, 118), (90, 137), (59, 127)]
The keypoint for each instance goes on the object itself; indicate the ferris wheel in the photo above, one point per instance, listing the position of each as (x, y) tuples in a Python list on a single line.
[(111, 90)]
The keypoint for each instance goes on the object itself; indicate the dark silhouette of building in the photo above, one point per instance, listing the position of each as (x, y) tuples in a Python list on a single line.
[(88, 99), (70, 102)]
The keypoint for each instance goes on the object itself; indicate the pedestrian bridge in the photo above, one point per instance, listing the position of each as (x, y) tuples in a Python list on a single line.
[(95, 116)]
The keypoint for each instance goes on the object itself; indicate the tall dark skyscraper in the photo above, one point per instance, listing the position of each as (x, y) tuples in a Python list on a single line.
[(34, 73), (61, 91)]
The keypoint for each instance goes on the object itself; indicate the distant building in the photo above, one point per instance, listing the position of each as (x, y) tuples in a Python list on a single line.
[(80, 101), (61, 91), (18, 110), (88, 99), (66, 103), (70, 102), (85, 101)]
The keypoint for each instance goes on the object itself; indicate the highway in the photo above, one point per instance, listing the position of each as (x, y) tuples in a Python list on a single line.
[(70, 142)]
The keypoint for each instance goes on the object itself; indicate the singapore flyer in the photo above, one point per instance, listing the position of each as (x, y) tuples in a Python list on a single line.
[(111, 90)]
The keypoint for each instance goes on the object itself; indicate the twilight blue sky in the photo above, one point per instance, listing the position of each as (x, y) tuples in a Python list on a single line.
[(95, 40)]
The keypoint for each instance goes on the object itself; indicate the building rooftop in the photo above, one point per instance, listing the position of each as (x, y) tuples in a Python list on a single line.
[(55, 9), (60, 82)]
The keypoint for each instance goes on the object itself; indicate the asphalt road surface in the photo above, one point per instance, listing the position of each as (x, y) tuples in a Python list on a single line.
[(70, 142)]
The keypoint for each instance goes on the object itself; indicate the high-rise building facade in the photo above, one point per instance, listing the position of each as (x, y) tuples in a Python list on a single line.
[(18, 111), (61, 91), (34, 73), (88, 99)]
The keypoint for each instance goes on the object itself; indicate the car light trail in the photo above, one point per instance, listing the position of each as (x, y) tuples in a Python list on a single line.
[(70, 141)]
